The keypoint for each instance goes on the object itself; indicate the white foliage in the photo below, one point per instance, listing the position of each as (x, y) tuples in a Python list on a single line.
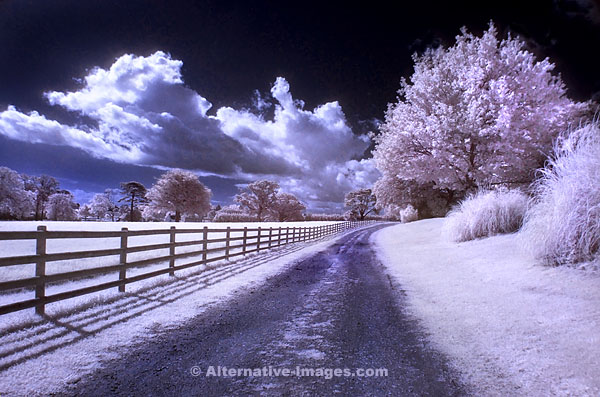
[(153, 214), (394, 194), (85, 212), (324, 217), (360, 203), (263, 200), (482, 111), (486, 213), (103, 205), (15, 201), (288, 208), (234, 213), (258, 198), (61, 207), (563, 224), (409, 214), (180, 192)]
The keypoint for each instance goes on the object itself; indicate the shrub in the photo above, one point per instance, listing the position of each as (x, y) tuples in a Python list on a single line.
[(485, 214), (234, 214), (324, 217), (563, 224), (409, 214)]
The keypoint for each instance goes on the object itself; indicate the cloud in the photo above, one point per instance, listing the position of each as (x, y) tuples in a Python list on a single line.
[(587, 9), (144, 114), (319, 143)]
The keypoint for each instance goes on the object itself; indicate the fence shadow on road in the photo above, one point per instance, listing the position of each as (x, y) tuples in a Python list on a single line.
[(45, 334)]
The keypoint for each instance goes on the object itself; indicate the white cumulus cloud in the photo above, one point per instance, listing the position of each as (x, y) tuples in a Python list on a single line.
[(144, 114)]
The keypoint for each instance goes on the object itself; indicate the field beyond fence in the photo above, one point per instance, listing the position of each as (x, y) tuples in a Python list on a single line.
[(179, 249)]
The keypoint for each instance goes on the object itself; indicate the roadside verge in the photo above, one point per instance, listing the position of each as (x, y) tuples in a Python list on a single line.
[(509, 325)]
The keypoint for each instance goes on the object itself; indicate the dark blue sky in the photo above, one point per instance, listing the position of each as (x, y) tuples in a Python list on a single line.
[(325, 51)]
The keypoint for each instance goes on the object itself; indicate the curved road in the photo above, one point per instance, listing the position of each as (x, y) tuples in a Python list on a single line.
[(334, 309)]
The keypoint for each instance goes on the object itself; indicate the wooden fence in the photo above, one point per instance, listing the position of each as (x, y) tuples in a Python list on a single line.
[(229, 242)]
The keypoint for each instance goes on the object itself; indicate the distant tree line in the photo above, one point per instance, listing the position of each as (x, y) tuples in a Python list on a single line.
[(34, 197), (176, 195)]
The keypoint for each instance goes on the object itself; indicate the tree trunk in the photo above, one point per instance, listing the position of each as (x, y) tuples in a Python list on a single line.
[(37, 209), (177, 216), (131, 210)]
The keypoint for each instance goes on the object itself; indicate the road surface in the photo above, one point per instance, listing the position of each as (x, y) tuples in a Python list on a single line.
[(332, 314)]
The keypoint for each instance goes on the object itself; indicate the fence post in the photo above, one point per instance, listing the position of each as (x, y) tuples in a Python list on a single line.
[(270, 236), (172, 250), (204, 244), (227, 236), (40, 269), (287, 235), (279, 236), (293, 234), (258, 240), (123, 258), (244, 240)]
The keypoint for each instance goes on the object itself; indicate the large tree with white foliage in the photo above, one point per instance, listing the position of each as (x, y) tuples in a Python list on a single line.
[(103, 205), (179, 192), (287, 207), (43, 187), (360, 203), (61, 207), (15, 201), (482, 112), (258, 198)]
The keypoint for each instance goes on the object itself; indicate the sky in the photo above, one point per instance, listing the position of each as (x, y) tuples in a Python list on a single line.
[(98, 92)]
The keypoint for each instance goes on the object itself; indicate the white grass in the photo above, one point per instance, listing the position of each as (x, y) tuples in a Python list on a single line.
[(486, 213), (27, 247), (39, 356), (563, 225), (510, 326), (10, 248)]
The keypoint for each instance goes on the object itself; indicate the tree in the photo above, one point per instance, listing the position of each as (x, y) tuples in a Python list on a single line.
[(360, 203), (134, 193), (43, 187), (85, 212), (394, 194), (15, 201), (213, 211), (103, 204), (124, 214), (287, 207), (233, 213), (61, 207), (258, 198), (180, 192), (482, 112)]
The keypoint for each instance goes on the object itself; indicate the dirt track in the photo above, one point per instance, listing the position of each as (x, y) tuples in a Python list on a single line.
[(335, 309)]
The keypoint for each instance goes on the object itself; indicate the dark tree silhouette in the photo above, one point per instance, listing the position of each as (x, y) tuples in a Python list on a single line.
[(134, 194)]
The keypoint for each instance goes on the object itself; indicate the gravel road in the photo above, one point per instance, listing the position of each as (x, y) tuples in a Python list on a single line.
[(335, 309)]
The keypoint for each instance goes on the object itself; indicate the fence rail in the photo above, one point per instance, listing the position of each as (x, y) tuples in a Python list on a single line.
[(228, 243)]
